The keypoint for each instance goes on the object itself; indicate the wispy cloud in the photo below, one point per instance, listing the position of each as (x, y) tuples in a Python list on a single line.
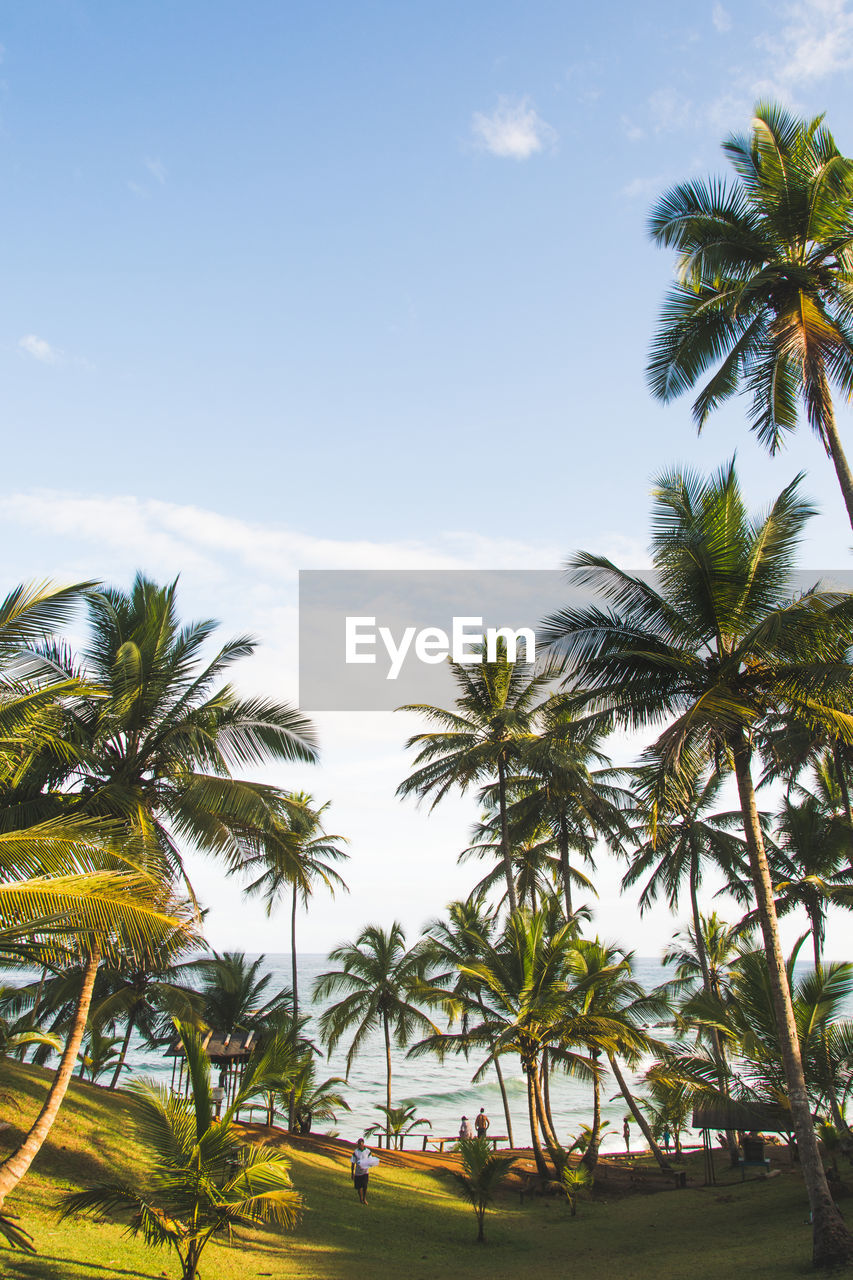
[(633, 132), (514, 130), (721, 19), (643, 187), (40, 349), (669, 110), (157, 169), (815, 42)]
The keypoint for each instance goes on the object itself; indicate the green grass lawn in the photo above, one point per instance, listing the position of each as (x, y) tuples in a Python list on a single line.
[(415, 1227)]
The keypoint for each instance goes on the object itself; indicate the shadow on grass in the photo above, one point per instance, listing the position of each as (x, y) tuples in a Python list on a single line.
[(43, 1267)]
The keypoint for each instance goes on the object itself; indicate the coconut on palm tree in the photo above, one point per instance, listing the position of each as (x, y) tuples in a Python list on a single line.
[(721, 645), (764, 281)]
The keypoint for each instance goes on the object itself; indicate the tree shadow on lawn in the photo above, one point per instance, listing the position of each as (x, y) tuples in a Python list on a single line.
[(44, 1267)]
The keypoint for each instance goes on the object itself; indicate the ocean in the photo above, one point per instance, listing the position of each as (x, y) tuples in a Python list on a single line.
[(442, 1092)]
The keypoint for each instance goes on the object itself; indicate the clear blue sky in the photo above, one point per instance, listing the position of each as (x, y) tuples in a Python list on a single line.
[(350, 284)]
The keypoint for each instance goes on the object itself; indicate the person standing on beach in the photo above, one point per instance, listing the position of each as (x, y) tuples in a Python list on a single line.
[(626, 1134), (481, 1123), (361, 1163), (465, 1129)]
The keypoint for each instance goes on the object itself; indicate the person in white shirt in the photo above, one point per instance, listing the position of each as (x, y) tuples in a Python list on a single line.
[(466, 1129), (362, 1161)]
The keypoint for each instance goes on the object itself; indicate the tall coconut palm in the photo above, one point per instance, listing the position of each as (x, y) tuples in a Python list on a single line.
[(523, 973), (809, 862), (680, 838), (609, 1011), (451, 944), (709, 655), (159, 742), (300, 856), (567, 785), (480, 739), (382, 981), (765, 276)]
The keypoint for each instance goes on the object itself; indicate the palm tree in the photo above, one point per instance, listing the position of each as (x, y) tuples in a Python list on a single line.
[(608, 1010), (809, 862), (523, 977), (300, 858), (97, 910), (400, 1121), (313, 1099), (483, 1171), (494, 715), (455, 943), (147, 998), (382, 980), (158, 743), (682, 838), (568, 786), (234, 992), (765, 272), (710, 654), (203, 1180)]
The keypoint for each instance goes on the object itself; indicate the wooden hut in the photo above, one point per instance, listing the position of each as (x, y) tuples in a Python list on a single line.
[(229, 1051), (744, 1117)]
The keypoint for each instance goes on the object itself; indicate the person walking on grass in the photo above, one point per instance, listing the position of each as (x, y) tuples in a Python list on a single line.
[(361, 1163), (481, 1123)]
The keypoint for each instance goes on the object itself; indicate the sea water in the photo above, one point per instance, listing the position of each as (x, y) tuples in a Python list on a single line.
[(441, 1091)]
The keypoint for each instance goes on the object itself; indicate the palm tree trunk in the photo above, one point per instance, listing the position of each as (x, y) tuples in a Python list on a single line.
[(638, 1115), (590, 1157), (716, 1043), (555, 1151), (131, 1020), (16, 1165), (838, 758), (505, 849), (832, 1243), (565, 867), (538, 1154), (294, 977), (387, 1030), (839, 460), (505, 1102)]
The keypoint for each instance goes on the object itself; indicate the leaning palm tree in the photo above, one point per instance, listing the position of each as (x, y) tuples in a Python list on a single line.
[(203, 1180), (710, 655), (765, 274), (382, 980), (480, 739), (88, 903)]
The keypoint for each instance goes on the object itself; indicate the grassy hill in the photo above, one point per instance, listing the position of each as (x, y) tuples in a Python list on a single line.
[(415, 1228)]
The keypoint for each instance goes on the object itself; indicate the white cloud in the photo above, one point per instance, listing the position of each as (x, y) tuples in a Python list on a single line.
[(40, 349), (817, 41), (157, 169), (721, 19), (514, 129)]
